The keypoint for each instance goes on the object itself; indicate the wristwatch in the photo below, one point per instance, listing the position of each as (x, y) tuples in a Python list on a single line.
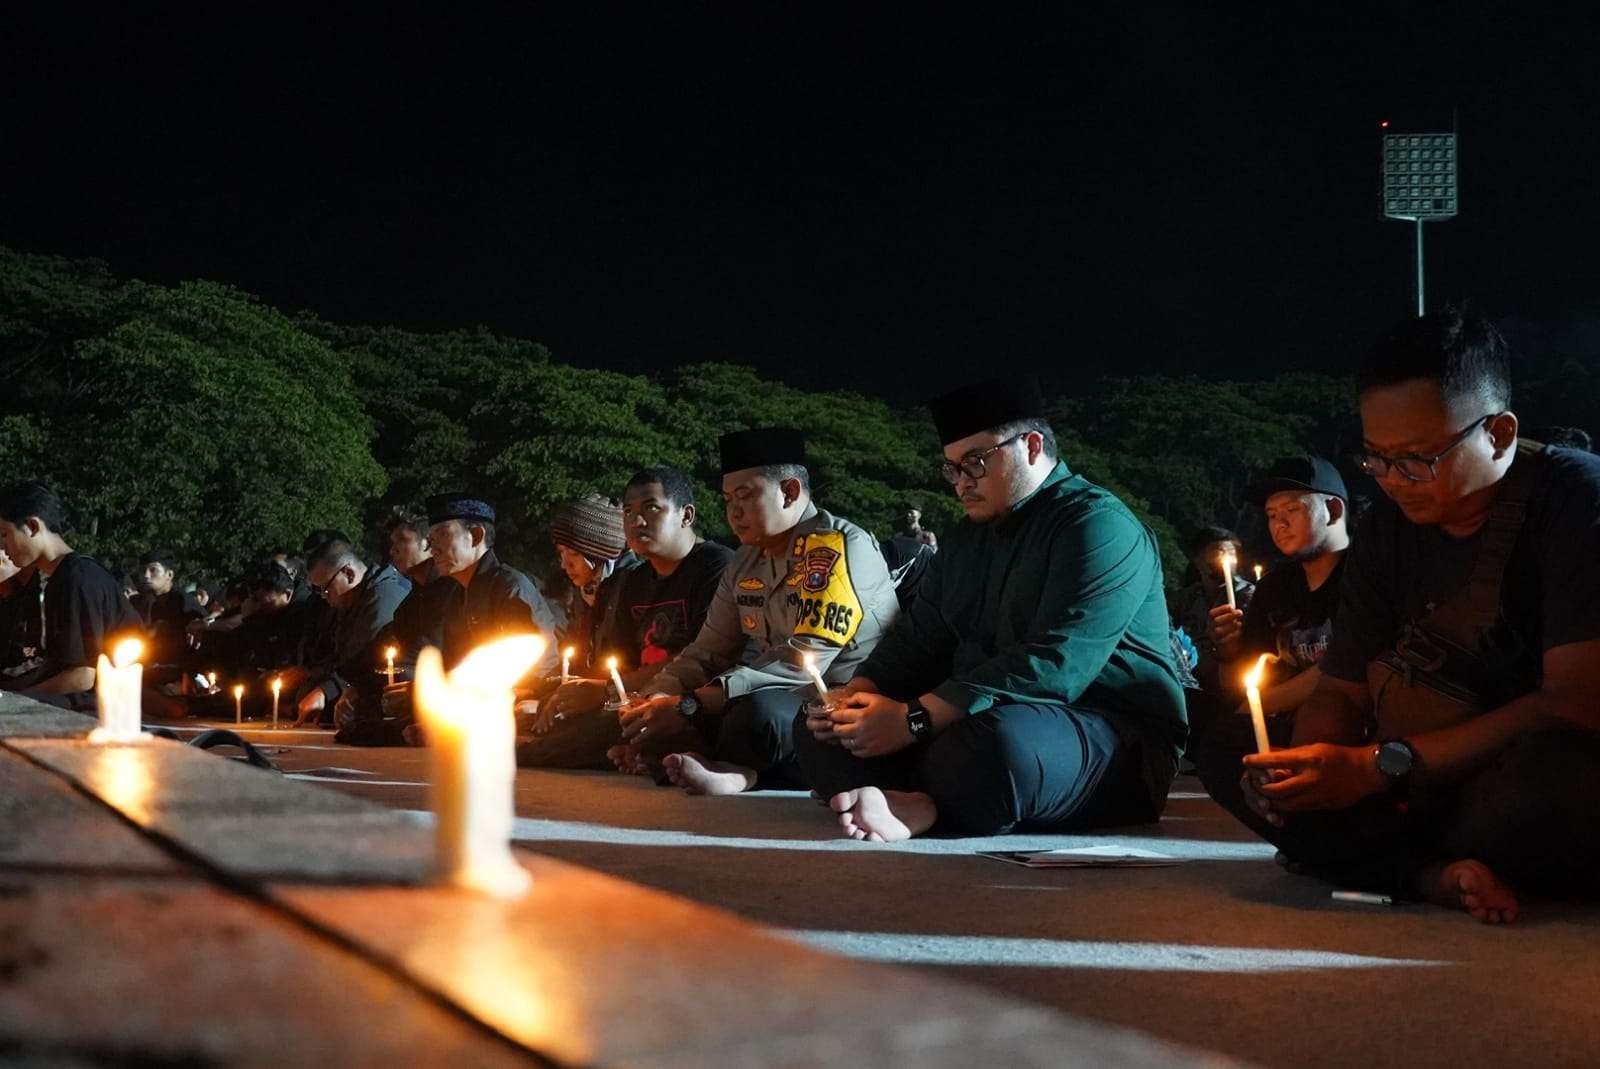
[(1397, 759), (918, 720), (688, 706)]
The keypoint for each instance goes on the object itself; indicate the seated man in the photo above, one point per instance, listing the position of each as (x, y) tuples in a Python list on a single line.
[(280, 618), (647, 616), (165, 610), (1031, 684), (1291, 615), (476, 599), (1191, 606), (407, 538), (802, 581), (364, 600), (67, 608), (1450, 749)]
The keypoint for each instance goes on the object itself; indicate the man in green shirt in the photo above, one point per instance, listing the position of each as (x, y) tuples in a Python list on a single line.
[(1031, 683)]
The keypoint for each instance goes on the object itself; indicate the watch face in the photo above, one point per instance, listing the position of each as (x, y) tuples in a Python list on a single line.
[(1394, 759)]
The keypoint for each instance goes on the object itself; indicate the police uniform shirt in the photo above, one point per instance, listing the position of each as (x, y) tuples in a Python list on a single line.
[(831, 596)]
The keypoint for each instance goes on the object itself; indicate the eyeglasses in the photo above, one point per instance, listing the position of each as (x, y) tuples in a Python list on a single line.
[(973, 465), (322, 591), (1417, 469)]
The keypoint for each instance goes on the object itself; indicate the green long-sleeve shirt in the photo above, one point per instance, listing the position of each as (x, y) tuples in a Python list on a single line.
[(1060, 603)]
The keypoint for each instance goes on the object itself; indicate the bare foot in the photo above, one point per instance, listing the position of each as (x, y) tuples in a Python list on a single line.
[(700, 775), (627, 761), (1471, 886), (883, 816)]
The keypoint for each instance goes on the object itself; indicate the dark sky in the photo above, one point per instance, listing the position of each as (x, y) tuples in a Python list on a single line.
[(882, 198)]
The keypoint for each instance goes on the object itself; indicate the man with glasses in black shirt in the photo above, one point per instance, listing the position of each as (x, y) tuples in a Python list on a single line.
[(1450, 749)]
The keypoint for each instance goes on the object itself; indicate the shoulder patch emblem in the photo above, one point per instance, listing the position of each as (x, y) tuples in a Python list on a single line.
[(819, 562), (752, 583)]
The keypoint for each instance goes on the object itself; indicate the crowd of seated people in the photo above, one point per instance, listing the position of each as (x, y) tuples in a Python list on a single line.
[(1428, 669)]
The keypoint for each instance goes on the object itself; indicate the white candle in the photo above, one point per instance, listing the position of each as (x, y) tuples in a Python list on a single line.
[(1252, 693), (238, 704), (471, 734), (389, 656), (616, 680), (816, 677), (1259, 570), (566, 664), (277, 689), (1228, 563), (117, 681)]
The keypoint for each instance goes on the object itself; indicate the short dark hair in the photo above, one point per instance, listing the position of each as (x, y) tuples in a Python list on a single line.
[(293, 562), (164, 557), (33, 498), (1457, 347), (399, 518), (319, 538), (269, 577), (333, 554), (676, 485), (1038, 425), (779, 472), (1205, 534)]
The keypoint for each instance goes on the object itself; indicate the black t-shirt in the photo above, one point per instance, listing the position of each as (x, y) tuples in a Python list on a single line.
[(68, 619), (658, 615), (165, 619), (1398, 572), (1289, 619)]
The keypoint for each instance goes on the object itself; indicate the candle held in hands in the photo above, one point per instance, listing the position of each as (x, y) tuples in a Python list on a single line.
[(470, 730), (117, 681), (1229, 563), (1252, 692), (816, 677), (388, 655), (616, 680), (566, 663)]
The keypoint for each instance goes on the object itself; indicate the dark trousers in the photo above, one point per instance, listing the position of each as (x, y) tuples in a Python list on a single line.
[(1528, 815), (1035, 767)]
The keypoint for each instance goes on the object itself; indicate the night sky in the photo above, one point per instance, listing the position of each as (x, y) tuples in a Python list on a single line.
[(841, 196)]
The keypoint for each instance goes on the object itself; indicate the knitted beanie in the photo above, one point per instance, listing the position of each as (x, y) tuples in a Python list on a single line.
[(591, 525)]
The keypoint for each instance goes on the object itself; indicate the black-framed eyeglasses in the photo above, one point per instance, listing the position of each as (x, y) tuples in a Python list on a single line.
[(1417, 469), (974, 465), (322, 591)]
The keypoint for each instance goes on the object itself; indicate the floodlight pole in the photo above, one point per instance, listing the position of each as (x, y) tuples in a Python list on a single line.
[(1421, 304)]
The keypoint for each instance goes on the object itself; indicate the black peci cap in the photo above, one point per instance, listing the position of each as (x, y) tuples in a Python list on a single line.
[(458, 506), (760, 447), (981, 405)]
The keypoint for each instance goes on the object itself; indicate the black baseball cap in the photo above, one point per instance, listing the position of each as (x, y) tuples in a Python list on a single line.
[(1305, 474)]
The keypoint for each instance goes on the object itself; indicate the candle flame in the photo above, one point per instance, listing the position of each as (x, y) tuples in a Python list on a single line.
[(390, 652), (1253, 680), (127, 651), (277, 685), (496, 667), (572, 651), (611, 664), (238, 691), (211, 679)]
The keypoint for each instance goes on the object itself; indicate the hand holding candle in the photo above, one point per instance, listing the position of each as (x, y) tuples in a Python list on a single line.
[(388, 655), (471, 732), (117, 682), (1252, 691), (566, 663), (810, 662), (1229, 563), (616, 680)]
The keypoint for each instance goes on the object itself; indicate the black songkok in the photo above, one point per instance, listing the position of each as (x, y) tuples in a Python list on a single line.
[(464, 507), (982, 405), (761, 447)]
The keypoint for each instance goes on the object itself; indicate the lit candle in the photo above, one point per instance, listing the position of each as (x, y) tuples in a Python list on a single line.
[(277, 689), (616, 680), (389, 656), (471, 737), (116, 693), (1252, 693), (566, 663), (1229, 562), (238, 703), (816, 677), (1259, 570), (211, 682)]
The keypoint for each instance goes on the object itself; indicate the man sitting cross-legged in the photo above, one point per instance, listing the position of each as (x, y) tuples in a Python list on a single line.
[(719, 714), (364, 600), (1031, 683), (1450, 750), (647, 615)]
